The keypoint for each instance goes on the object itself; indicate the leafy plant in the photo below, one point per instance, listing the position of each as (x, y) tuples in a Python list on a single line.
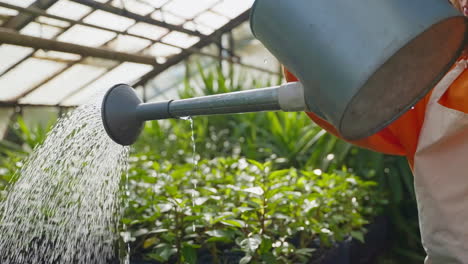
[(20, 141), (223, 206)]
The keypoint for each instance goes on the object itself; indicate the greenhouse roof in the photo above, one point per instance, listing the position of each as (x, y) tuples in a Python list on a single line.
[(59, 52)]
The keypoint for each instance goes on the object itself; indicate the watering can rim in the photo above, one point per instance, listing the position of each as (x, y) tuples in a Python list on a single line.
[(404, 110), (103, 113), (251, 18)]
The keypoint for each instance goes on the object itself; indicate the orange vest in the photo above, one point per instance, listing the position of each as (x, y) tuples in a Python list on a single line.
[(401, 136)]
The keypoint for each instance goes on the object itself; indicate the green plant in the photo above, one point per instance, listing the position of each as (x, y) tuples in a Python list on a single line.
[(179, 211), (20, 141)]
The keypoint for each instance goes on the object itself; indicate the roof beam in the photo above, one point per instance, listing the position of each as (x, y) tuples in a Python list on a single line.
[(202, 43), (39, 12), (15, 104), (137, 17), (14, 38), (21, 20)]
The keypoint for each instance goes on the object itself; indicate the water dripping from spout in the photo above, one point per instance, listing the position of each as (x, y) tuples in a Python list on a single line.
[(195, 162)]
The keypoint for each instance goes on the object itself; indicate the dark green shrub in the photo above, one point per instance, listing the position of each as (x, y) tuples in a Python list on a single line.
[(177, 212)]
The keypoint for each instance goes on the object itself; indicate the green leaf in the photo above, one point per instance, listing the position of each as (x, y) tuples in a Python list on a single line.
[(254, 190), (141, 232), (232, 222), (305, 251), (269, 258), (163, 253), (219, 239), (279, 174), (245, 260), (156, 231), (189, 254), (257, 164), (149, 242), (251, 244), (358, 235), (265, 246), (218, 233)]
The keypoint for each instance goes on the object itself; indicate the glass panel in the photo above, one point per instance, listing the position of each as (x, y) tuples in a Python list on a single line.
[(161, 50), (211, 19), (125, 73), (8, 12), (54, 91), (41, 31), (180, 39), (242, 34), (68, 9), (202, 29), (257, 55), (156, 3), (53, 22), (11, 55), (233, 8), (86, 36), (147, 30), (55, 55), (22, 3), (108, 20), (168, 18), (158, 88), (211, 49), (188, 9), (25, 76), (138, 7), (98, 62), (128, 44)]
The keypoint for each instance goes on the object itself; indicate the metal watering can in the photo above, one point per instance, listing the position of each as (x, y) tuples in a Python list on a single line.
[(361, 65)]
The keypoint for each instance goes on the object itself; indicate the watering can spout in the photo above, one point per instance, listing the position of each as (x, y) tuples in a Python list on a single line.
[(123, 113)]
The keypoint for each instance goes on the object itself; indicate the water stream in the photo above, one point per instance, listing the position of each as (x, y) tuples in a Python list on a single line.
[(65, 204), (194, 161), (195, 166)]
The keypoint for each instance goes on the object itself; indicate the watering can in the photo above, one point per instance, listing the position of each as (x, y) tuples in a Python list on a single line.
[(361, 65)]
